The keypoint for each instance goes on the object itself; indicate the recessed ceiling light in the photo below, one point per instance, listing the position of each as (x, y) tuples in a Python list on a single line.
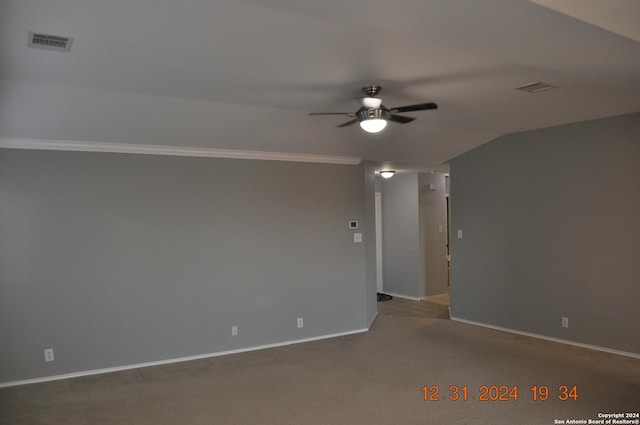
[(535, 87)]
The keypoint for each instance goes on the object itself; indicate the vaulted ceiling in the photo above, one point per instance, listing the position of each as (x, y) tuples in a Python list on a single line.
[(243, 74)]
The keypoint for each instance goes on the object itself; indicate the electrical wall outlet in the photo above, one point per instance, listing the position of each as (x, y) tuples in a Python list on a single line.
[(48, 355), (300, 322), (234, 331), (565, 322)]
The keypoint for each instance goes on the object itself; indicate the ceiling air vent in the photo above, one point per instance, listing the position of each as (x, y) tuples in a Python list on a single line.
[(50, 42), (535, 87)]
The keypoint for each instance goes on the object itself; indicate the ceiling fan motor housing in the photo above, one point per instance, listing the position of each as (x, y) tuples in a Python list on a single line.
[(380, 113)]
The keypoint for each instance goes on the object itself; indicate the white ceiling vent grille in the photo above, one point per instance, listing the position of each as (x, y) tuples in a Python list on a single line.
[(535, 87), (50, 42)]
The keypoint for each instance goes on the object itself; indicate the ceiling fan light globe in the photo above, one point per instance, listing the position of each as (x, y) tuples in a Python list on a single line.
[(375, 125), (371, 102)]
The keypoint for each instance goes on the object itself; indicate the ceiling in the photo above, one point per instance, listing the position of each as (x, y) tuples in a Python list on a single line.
[(243, 74)]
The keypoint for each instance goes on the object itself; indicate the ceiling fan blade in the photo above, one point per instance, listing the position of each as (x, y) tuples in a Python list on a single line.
[(418, 107), (349, 114), (348, 123), (400, 119)]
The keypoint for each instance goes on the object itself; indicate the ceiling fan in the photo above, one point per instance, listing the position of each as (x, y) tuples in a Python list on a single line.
[(373, 115)]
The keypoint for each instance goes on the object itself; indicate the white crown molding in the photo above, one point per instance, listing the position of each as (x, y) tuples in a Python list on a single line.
[(74, 145)]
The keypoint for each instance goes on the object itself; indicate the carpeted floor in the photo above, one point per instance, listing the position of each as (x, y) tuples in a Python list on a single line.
[(438, 299), (371, 378)]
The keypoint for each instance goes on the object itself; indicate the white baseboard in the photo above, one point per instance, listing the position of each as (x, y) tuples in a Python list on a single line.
[(549, 338), (176, 360), (373, 320)]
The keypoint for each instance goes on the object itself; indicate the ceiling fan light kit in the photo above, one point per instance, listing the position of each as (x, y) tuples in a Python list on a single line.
[(373, 120), (373, 115), (373, 125)]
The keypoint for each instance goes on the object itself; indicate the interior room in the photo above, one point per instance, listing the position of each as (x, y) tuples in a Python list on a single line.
[(354, 212)]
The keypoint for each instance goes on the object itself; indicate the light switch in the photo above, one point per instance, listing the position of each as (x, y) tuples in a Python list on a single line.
[(357, 237), (459, 233), (440, 229)]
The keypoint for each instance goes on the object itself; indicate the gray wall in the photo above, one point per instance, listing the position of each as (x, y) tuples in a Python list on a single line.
[(118, 259), (402, 262), (551, 228), (433, 231)]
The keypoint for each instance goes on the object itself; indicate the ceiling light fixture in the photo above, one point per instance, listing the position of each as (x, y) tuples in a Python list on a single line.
[(387, 174), (373, 125), (373, 115), (373, 120)]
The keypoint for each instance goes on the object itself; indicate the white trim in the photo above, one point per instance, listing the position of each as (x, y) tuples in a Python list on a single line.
[(373, 320), (74, 145), (177, 360), (406, 297), (548, 338)]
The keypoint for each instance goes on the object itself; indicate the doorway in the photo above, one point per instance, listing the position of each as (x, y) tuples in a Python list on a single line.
[(378, 218), (448, 230)]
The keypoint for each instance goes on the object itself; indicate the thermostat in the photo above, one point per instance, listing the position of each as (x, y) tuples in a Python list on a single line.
[(353, 224)]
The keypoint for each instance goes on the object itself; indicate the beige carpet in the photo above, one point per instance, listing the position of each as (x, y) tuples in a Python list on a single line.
[(438, 299), (370, 378)]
